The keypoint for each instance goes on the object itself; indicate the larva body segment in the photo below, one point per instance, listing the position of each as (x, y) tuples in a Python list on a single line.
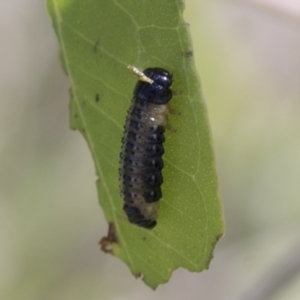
[(142, 150)]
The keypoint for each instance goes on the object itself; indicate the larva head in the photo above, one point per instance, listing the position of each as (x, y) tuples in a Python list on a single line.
[(157, 92), (159, 76)]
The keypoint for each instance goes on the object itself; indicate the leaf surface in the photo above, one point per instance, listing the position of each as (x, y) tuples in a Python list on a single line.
[(98, 39)]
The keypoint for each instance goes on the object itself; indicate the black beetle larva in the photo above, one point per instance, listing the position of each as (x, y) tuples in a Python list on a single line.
[(142, 150)]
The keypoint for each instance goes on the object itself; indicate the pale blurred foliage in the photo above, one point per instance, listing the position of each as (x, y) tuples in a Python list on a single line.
[(247, 54)]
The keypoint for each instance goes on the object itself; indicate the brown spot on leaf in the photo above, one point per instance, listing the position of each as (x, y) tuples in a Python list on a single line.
[(137, 275), (97, 98), (95, 48), (189, 53), (107, 242), (177, 93)]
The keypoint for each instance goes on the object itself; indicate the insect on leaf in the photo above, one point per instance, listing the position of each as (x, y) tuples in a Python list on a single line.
[(98, 39)]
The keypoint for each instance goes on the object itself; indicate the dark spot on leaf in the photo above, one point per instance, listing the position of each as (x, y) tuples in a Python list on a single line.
[(189, 53), (177, 93), (137, 275), (95, 48), (107, 242), (83, 130), (144, 238), (97, 98), (75, 116)]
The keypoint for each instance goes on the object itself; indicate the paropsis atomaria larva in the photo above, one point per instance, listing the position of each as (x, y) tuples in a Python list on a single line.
[(142, 149)]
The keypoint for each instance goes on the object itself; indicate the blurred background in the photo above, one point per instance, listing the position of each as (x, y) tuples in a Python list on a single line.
[(247, 54)]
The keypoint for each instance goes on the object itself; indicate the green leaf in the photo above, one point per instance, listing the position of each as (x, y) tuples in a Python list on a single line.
[(98, 39)]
